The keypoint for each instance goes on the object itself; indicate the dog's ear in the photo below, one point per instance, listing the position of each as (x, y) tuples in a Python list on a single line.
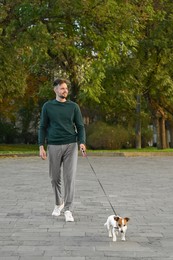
[(116, 218), (127, 219)]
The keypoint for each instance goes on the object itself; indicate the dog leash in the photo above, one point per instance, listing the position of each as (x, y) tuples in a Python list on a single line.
[(92, 168)]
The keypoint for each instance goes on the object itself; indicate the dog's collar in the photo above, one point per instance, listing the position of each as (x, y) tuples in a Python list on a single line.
[(116, 227)]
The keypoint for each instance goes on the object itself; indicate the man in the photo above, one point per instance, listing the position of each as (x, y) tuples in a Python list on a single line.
[(61, 124)]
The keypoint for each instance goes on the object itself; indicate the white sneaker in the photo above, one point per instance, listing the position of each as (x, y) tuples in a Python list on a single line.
[(68, 216), (57, 210)]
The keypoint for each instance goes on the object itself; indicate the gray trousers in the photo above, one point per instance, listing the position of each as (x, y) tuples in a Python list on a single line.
[(63, 156)]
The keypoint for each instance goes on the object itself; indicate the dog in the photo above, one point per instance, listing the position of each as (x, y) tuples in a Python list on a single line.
[(115, 225)]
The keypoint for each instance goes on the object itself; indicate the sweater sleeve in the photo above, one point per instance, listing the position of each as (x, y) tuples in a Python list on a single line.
[(43, 126), (78, 120)]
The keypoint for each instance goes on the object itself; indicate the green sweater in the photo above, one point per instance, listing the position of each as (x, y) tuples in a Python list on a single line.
[(61, 123)]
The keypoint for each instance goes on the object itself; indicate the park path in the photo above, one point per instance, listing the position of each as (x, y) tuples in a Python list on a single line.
[(138, 187)]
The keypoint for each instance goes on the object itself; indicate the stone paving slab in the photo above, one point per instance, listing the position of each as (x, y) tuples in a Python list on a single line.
[(138, 187)]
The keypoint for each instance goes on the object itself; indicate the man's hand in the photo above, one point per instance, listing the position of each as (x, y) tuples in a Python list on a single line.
[(42, 153), (83, 149)]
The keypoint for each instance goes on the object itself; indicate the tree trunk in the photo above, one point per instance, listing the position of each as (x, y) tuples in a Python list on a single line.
[(171, 134), (161, 133), (158, 133), (74, 91), (138, 122)]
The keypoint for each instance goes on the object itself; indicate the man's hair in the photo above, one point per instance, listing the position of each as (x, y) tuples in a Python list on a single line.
[(59, 82)]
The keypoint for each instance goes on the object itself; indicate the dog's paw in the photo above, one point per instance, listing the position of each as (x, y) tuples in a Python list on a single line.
[(123, 239)]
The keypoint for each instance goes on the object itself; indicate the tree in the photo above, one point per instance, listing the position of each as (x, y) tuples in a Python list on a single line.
[(145, 68), (109, 50), (12, 70), (53, 38), (157, 59)]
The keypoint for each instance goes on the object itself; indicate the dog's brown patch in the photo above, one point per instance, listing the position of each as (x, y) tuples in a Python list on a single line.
[(116, 218), (120, 220), (126, 219)]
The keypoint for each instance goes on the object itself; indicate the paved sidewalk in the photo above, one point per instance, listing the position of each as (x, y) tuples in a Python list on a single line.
[(138, 187)]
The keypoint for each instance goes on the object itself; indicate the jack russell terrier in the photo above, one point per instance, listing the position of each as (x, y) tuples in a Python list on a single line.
[(116, 224)]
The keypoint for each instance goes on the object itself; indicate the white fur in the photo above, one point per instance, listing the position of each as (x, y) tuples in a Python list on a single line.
[(114, 228)]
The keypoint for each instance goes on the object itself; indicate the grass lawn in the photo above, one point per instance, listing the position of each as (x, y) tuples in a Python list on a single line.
[(18, 149), (34, 149)]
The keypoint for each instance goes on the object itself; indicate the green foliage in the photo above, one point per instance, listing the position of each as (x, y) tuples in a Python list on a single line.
[(103, 136), (12, 73), (8, 133), (147, 136), (110, 51)]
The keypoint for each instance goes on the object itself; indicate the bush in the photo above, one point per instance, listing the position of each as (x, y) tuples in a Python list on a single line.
[(147, 136), (8, 133), (103, 136)]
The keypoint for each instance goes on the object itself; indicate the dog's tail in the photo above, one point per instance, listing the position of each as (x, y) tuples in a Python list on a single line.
[(106, 224)]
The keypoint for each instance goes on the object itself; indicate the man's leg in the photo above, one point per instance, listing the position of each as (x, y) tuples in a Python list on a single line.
[(69, 174), (55, 161)]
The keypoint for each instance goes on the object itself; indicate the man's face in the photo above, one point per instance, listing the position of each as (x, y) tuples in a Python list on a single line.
[(61, 91)]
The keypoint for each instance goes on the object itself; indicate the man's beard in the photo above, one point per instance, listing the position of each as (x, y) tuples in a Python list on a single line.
[(62, 96)]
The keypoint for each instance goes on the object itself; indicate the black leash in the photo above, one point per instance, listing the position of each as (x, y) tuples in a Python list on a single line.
[(85, 155)]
